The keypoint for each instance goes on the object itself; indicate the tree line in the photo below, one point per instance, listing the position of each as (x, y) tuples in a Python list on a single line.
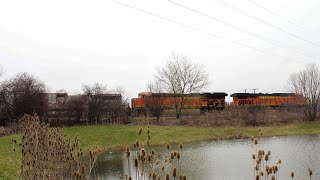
[(26, 94)]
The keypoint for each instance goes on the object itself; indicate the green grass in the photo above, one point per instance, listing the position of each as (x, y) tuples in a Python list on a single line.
[(116, 137)]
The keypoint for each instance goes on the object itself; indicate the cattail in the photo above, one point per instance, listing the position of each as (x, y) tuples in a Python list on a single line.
[(292, 174), (140, 131), (148, 131), (279, 161), (269, 153), (167, 177), (273, 177), (184, 177), (149, 137), (168, 146), (253, 156), (257, 177), (178, 155), (180, 146), (154, 175), (137, 143), (143, 152), (136, 162), (266, 158), (174, 172), (130, 178), (310, 172), (172, 156), (255, 141)]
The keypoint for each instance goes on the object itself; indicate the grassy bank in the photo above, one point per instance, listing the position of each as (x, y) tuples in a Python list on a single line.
[(111, 137)]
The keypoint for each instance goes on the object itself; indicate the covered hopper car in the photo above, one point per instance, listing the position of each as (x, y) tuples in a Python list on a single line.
[(270, 100)]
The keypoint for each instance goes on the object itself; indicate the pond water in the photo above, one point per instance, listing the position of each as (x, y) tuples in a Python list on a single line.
[(229, 159)]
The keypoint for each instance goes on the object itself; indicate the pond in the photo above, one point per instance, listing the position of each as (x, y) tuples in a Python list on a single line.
[(229, 159)]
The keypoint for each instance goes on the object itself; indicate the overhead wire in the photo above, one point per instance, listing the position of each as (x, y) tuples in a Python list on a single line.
[(243, 30), (205, 32), (264, 22), (270, 11)]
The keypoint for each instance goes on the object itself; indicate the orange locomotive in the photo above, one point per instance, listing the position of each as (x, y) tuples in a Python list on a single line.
[(271, 100), (163, 101)]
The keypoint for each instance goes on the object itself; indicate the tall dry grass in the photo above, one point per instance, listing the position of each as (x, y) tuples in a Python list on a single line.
[(149, 164), (47, 153)]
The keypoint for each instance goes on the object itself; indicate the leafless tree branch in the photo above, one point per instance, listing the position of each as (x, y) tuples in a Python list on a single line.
[(181, 76), (307, 84)]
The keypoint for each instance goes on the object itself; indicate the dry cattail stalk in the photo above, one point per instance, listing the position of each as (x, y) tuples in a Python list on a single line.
[(174, 173), (136, 163), (184, 177), (257, 177)]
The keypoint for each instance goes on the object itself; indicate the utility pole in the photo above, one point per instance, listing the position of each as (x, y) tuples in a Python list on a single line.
[(245, 90), (254, 90)]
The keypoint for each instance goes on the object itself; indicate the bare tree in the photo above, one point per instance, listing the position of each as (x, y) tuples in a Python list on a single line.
[(307, 84), (154, 102), (23, 94), (181, 76), (95, 102), (75, 107)]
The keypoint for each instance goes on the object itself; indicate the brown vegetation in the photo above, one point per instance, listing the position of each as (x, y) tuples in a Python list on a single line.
[(232, 116), (49, 154), (150, 164)]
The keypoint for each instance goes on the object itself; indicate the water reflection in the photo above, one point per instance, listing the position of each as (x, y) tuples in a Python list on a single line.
[(230, 159)]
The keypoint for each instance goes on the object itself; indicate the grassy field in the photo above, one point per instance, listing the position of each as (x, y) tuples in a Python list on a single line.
[(114, 137)]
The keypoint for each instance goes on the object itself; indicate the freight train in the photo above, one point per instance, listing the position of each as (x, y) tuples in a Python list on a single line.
[(212, 101), (202, 101), (269, 100)]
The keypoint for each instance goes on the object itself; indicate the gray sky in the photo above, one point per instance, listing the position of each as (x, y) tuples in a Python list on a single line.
[(69, 43)]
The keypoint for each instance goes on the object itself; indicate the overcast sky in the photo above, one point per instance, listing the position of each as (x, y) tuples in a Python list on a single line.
[(70, 43)]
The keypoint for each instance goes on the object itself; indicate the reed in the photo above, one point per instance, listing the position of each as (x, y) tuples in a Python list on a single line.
[(47, 153), (154, 165)]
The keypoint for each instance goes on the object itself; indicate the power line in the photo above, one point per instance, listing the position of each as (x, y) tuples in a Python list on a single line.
[(270, 11), (243, 30), (265, 22), (199, 30)]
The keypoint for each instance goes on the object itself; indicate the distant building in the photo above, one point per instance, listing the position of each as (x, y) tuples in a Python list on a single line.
[(56, 100)]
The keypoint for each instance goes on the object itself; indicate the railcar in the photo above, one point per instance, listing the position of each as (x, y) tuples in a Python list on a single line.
[(202, 101), (269, 100)]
